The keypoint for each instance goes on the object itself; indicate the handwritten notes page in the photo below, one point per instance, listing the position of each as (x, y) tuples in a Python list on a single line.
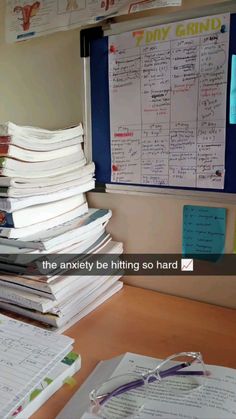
[(27, 353), (167, 88), (204, 230)]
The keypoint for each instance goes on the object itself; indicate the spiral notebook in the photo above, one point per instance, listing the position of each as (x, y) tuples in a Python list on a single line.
[(27, 354)]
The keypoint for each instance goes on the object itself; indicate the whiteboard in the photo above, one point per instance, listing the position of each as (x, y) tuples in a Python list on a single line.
[(100, 127)]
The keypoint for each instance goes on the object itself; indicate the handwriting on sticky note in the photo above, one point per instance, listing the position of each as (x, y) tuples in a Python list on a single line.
[(204, 231)]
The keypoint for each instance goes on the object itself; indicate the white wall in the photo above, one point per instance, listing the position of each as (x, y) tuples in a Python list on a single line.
[(40, 85), (151, 224), (40, 79)]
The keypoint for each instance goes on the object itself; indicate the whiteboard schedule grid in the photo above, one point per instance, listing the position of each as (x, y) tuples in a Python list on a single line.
[(167, 93), (181, 164)]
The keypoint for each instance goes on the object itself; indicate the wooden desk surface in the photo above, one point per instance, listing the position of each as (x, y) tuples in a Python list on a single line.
[(153, 324)]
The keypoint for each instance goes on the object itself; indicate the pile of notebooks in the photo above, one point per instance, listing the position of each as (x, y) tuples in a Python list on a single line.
[(44, 215), (34, 365)]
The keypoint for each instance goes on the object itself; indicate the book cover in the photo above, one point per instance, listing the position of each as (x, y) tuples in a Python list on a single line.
[(2, 162), (59, 220), (4, 191), (4, 148), (69, 231), (36, 156), (35, 214), (5, 139), (6, 219), (59, 320)]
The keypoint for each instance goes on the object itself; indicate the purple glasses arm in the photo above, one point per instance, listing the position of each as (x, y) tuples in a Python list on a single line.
[(140, 382)]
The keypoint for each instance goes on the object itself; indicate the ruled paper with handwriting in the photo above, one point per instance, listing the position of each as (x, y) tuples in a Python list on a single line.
[(27, 353)]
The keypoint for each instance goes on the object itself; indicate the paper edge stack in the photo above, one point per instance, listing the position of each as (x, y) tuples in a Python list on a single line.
[(78, 230)]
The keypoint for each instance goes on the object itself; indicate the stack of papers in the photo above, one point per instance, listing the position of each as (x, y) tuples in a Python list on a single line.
[(34, 364), (35, 161), (43, 210)]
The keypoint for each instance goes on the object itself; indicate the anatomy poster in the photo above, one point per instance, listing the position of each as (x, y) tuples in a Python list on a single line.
[(28, 18), (167, 87)]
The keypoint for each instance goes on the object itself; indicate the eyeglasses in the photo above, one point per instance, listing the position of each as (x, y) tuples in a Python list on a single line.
[(124, 396)]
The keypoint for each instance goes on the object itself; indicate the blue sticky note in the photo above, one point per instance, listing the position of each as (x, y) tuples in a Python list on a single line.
[(203, 232), (232, 110)]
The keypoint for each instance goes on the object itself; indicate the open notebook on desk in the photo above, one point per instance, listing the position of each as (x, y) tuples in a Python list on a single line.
[(28, 354), (216, 399)]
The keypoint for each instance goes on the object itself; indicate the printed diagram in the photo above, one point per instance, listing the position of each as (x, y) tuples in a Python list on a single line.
[(106, 4), (68, 6), (2, 218), (72, 5), (26, 13)]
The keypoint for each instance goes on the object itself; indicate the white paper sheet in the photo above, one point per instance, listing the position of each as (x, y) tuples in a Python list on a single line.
[(167, 87), (79, 403), (28, 19)]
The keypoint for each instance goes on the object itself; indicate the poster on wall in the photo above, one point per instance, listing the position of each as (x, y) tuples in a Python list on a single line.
[(28, 18)]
